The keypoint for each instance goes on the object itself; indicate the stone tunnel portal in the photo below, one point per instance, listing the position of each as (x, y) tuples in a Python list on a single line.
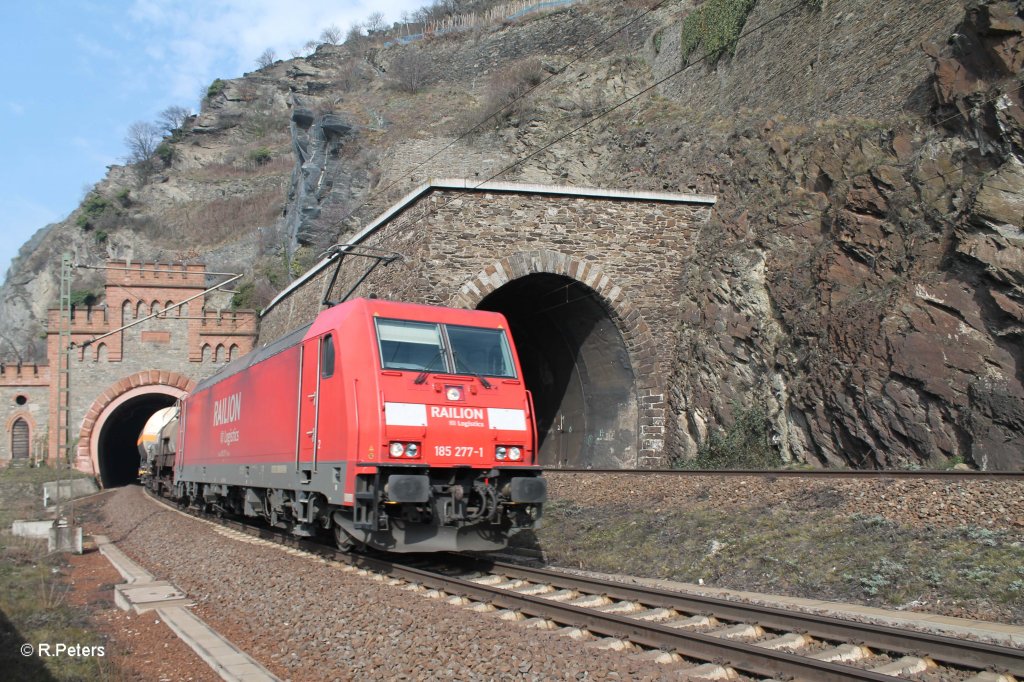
[(577, 365), (116, 448)]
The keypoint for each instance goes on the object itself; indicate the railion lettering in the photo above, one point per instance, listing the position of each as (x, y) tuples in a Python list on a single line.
[(474, 413), (227, 410)]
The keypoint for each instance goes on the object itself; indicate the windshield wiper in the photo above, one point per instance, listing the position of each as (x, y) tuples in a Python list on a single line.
[(486, 384), (426, 370)]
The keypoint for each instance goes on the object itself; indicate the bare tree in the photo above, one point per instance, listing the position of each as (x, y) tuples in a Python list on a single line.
[(331, 35), (142, 140), (437, 11), (266, 58), (173, 117), (375, 23), (409, 71), (355, 34)]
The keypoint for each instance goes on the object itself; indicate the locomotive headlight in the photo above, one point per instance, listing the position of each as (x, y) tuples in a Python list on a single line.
[(396, 450), (412, 450), (515, 454), (500, 452)]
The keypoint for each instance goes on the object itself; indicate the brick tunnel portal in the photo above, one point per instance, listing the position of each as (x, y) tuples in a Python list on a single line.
[(577, 366), (117, 450)]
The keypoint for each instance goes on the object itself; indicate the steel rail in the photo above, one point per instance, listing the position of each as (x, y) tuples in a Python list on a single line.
[(748, 658), (810, 473), (950, 650), (739, 655)]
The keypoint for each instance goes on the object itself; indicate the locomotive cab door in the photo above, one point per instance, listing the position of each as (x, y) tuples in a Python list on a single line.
[(318, 421)]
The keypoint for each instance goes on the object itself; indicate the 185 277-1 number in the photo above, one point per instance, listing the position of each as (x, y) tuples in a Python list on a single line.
[(457, 451)]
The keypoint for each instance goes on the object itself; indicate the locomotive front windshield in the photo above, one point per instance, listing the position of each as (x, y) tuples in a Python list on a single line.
[(444, 348)]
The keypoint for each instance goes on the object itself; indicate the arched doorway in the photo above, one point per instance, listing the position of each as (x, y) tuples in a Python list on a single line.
[(20, 441), (116, 437), (577, 365), (108, 442)]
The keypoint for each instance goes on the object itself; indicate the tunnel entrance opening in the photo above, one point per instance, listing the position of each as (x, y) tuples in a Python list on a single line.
[(117, 452), (576, 364)]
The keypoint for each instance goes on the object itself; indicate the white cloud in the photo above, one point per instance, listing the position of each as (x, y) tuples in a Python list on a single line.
[(195, 41)]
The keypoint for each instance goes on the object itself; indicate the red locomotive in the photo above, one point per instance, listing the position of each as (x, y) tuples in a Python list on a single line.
[(402, 427)]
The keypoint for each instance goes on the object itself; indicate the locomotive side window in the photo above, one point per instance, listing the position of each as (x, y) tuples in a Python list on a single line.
[(481, 351), (413, 346), (327, 357)]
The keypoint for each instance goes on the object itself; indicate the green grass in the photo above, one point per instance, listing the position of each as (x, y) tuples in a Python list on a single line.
[(37, 475), (21, 491)]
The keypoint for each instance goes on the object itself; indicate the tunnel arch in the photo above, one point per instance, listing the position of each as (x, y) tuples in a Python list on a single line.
[(107, 441), (587, 357)]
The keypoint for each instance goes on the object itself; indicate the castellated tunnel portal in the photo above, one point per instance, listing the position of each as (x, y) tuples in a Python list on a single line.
[(576, 364), (117, 450)]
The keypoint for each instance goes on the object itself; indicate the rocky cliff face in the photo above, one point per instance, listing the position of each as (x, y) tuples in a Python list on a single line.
[(863, 279), (860, 283)]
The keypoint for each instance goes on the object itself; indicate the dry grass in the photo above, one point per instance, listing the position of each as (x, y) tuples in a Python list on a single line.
[(966, 571), (511, 83), (33, 606), (220, 220), (243, 167)]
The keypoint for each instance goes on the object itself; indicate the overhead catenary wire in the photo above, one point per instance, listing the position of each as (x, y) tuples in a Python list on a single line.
[(434, 209), (508, 105), (818, 214), (605, 112), (801, 4)]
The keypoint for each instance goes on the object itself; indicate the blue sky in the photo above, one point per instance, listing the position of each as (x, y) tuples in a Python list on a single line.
[(76, 74)]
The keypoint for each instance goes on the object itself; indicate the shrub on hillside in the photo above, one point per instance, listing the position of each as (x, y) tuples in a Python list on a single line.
[(506, 96), (715, 27), (80, 297), (409, 71), (165, 152), (746, 444), (260, 156), (94, 206), (216, 87)]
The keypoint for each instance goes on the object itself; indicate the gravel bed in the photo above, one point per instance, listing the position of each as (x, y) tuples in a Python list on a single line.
[(137, 646), (307, 620), (998, 505), (946, 547)]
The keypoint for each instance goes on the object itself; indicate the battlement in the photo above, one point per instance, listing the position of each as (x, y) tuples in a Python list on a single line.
[(89, 319), (234, 320), (18, 374), (154, 274)]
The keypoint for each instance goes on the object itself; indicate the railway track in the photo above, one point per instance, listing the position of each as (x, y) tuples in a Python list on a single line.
[(810, 473), (695, 637)]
